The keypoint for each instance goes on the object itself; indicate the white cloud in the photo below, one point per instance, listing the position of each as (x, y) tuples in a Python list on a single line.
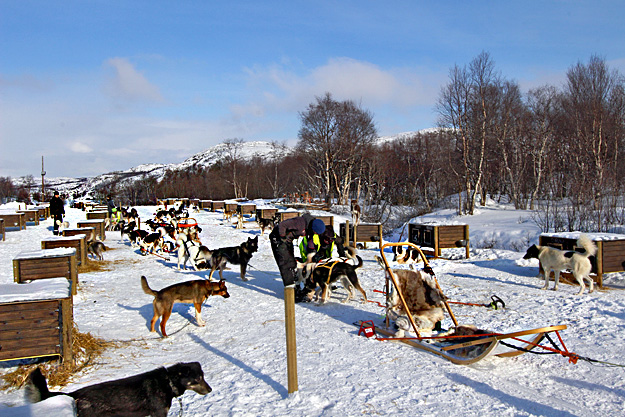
[(346, 79), (128, 83), (79, 147)]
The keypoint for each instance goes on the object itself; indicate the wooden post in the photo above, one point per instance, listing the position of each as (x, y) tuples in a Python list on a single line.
[(347, 232), (67, 316), (437, 249), (599, 261), (466, 239), (291, 345)]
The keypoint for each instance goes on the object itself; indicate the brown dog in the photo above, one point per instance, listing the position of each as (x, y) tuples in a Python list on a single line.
[(196, 292)]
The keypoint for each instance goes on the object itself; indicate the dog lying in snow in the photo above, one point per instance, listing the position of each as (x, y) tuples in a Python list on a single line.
[(149, 393)]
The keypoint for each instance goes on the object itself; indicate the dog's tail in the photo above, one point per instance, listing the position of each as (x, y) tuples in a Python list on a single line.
[(146, 287), (350, 252), (359, 262), (36, 387), (588, 245)]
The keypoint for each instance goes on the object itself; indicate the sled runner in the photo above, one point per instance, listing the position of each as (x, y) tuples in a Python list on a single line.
[(463, 344)]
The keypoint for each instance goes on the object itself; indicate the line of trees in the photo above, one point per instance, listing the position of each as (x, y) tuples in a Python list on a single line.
[(556, 150)]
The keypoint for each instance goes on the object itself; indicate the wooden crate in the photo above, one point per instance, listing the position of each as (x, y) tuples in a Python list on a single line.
[(288, 215), (439, 236), (266, 213), (89, 232), (217, 205), (13, 219), (97, 215), (37, 324), (30, 215), (205, 204), (78, 242), (610, 252), (363, 233), (46, 263), (2, 232), (98, 225)]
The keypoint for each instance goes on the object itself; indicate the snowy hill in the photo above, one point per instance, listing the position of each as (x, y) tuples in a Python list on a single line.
[(204, 159)]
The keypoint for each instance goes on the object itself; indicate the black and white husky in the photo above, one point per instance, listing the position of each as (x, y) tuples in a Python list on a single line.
[(556, 260)]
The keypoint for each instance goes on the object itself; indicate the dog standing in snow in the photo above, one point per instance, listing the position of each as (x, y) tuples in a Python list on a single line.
[(556, 260)]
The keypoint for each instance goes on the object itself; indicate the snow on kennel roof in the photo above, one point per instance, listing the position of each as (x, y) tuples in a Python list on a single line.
[(593, 236), (45, 253), (40, 289)]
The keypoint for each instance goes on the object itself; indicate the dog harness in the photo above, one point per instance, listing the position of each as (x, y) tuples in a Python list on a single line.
[(330, 263)]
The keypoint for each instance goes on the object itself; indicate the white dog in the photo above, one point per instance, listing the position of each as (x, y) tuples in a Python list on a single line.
[(191, 249), (556, 260)]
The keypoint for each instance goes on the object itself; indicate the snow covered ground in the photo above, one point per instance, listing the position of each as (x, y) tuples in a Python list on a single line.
[(242, 348)]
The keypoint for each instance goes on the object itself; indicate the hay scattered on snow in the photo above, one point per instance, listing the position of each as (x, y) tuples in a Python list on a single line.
[(85, 349)]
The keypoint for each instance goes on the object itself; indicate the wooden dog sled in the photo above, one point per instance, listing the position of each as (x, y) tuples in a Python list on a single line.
[(461, 349)]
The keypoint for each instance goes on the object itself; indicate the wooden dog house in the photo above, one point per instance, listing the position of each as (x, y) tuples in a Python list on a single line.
[(288, 214), (610, 252), (30, 215), (231, 207), (439, 236), (13, 219), (266, 212), (97, 215), (217, 205), (78, 242), (46, 263), (37, 320), (89, 232), (363, 233), (204, 204), (99, 226), (327, 220)]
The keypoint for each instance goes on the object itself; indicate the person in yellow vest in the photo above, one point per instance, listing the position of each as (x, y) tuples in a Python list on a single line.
[(323, 245)]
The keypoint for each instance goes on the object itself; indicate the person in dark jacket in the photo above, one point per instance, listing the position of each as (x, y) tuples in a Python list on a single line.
[(57, 210), (110, 205), (282, 237)]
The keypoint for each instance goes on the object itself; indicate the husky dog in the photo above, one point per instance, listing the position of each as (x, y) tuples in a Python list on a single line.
[(127, 228), (556, 260), (196, 292), (329, 271), (237, 255), (96, 249), (136, 237), (228, 214), (191, 249), (149, 393), (406, 255), (153, 241), (265, 223), (62, 226), (356, 212)]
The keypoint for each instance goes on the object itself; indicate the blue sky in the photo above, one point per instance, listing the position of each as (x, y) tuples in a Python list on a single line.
[(99, 86)]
